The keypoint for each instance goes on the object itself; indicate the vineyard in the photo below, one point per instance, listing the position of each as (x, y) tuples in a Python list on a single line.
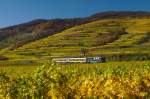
[(80, 81)]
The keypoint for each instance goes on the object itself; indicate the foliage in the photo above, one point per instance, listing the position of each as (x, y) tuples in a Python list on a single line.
[(54, 81)]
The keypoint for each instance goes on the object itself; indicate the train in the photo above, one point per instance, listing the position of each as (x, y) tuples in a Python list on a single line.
[(79, 60)]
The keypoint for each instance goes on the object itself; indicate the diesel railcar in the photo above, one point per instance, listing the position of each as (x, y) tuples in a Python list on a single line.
[(79, 60)]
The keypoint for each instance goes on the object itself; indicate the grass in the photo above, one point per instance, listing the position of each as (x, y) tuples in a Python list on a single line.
[(24, 69), (15, 71), (89, 68)]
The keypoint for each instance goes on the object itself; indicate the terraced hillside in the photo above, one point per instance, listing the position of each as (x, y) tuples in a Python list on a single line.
[(18, 35), (118, 39), (15, 36), (108, 37)]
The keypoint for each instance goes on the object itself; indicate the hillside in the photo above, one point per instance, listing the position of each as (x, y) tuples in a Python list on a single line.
[(103, 37), (122, 38), (18, 35), (121, 14)]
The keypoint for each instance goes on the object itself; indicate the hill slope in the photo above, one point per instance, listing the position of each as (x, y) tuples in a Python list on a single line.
[(116, 38), (18, 35), (103, 37)]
